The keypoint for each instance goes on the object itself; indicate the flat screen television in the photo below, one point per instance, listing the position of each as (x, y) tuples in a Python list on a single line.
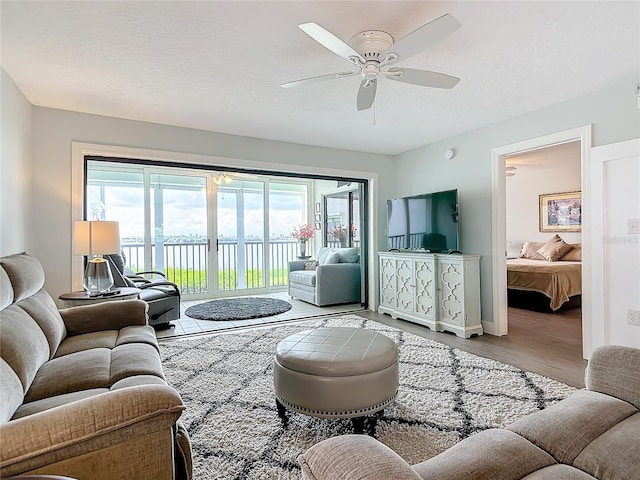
[(424, 223)]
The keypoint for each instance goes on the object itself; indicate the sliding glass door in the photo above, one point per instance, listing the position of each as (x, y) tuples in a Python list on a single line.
[(212, 234)]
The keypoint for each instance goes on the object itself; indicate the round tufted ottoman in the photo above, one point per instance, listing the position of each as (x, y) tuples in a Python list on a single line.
[(338, 372)]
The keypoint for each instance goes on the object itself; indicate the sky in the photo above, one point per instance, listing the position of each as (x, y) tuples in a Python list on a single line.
[(185, 212)]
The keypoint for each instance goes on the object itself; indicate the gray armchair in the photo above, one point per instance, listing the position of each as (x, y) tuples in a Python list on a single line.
[(335, 280)]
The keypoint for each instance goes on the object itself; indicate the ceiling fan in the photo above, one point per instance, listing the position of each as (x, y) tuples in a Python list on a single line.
[(371, 50)]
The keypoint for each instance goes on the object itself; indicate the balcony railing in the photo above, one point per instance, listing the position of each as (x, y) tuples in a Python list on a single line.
[(186, 264)]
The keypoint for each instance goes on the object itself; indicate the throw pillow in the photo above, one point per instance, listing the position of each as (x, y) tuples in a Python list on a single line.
[(332, 259), (348, 255), (310, 265), (573, 255), (553, 249), (323, 253), (530, 250)]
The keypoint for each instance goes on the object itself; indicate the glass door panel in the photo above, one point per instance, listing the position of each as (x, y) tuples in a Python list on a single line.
[(287, 210), (240, 242), (118, 195), (178, 219), (342, 215)]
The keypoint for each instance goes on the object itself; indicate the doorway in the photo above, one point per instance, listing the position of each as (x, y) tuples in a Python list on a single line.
[(499, 325), (546, 172)]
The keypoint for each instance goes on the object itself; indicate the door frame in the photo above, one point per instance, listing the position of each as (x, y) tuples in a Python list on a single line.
[(79, 150), (499, 325)]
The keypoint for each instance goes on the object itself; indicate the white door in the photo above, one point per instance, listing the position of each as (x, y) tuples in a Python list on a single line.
[(615, 244)]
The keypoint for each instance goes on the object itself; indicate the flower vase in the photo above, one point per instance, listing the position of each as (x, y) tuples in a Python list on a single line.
[(343, 242), (303, 249)]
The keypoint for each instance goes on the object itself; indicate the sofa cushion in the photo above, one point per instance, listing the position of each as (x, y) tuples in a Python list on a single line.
[(557, 472), (6, 290), (55, 401), (489, 455), (614, 454), (87, 341), (25, 273), (613, 370), (71, 373), (566, 428), (134, 359), (43, 310), (305, 277), (22, 344), (11, 393)]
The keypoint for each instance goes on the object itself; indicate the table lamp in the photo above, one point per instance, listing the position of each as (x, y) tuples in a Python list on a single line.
[(96, 238)]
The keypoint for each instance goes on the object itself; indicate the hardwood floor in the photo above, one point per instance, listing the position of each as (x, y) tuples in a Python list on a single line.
[(546, 343)]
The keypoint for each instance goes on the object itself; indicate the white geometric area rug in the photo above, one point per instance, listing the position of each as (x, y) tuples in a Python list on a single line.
[(445, 395)]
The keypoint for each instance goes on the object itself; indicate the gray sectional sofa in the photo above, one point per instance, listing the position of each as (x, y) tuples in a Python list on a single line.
[(593, 434), (82, 391)]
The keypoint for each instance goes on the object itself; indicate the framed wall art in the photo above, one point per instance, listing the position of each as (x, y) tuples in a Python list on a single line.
[(561, 212)]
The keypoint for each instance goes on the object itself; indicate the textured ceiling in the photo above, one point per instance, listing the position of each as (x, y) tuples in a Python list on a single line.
[(218, 65)]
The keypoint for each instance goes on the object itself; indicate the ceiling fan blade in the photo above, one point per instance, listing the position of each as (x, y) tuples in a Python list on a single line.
[(366, 95), (329, 40), (423, 37), (423, 78), (319, 79)]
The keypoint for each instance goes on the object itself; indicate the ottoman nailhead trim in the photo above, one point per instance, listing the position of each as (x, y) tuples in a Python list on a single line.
[(344, 413)]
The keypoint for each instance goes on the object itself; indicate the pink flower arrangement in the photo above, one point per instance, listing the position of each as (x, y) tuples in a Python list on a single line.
[(339, 231), (303, 233)]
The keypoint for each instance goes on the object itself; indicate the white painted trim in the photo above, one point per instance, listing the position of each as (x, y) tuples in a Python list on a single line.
[(80, 150), (596, 278), (498, 199)]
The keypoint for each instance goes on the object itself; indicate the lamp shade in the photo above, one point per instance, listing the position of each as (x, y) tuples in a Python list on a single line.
[(96, 237)]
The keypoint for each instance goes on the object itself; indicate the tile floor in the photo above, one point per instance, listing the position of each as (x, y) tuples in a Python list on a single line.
[(190, 326)]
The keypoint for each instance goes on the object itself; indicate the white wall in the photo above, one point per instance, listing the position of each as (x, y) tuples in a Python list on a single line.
[(553, 169), (55, 130), (614, 117), (15, 168)]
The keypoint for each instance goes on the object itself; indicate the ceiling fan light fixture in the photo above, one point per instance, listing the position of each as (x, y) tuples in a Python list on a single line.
[(371, 43)]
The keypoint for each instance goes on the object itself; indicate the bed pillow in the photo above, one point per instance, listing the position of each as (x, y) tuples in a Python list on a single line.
[(514, 249), (554, 248), (530, 250), (573, 255)]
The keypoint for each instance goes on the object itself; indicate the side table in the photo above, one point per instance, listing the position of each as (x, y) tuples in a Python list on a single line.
[(73, 299)]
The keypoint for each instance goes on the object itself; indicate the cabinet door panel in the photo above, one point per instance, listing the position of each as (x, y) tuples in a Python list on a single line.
[(451, 293), (388, 282), (425, 289), (405, 294)]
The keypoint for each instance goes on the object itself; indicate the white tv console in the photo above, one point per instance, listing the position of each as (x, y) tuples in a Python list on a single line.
[(439, 291)]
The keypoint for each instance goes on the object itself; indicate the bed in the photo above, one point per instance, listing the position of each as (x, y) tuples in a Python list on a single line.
[(544, 276), (543, 285)]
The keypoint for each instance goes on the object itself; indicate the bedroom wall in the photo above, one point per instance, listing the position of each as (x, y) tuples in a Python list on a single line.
[(15, 168), (55, 130), (612, 112), (553, 169)]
